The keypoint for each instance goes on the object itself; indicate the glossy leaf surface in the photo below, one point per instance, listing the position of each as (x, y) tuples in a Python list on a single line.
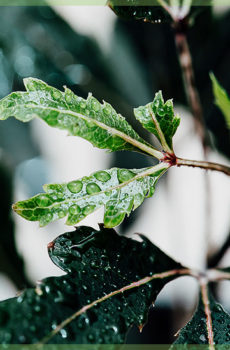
[(159, 118), (98, 123), (222, 99), (196, 331), (134, 9), (119, 190), (98, 264)]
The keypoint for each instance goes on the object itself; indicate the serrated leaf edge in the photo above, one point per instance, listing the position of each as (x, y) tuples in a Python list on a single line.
[(162, 275)]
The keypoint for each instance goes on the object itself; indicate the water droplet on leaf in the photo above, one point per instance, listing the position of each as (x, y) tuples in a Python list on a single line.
[(75, 186), (92, 188)]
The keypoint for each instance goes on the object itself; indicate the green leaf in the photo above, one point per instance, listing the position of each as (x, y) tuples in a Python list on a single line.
[(222, 99), (119, 190), (196, 331), (159, 118), (95, 122), (134, 10), (110, 284)]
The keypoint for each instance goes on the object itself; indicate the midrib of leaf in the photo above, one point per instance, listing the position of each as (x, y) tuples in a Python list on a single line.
[(207, 311), (144, 147), (132, 285), (159, 131), (150, 171)]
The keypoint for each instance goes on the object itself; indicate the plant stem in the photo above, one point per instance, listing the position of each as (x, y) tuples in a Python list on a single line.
[(203, 165), (207, 311), (185, 59)]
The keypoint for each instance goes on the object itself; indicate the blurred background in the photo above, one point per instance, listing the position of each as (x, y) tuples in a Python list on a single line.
[(123, 62)]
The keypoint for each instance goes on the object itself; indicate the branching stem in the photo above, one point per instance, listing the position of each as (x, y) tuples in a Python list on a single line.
[(203, 165), (205, 300)]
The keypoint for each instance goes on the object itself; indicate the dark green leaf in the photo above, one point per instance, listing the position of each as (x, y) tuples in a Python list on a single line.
[(95, 122), (119, 190), (102, 270), (134, 9), (222, 99), (159, 118), (196, 331)]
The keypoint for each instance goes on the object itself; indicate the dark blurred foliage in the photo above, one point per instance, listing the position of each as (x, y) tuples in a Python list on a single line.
[(35, 41), (10, 262), (209, 42)]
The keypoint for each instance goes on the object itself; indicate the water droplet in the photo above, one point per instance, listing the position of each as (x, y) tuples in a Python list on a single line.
[(44, 220), (138, 199), (75, 186), (88, 209), (63, 333), (90, 337), (84, 287), (83, 104), (74, 209), (43, 200), (21, 339), (56, 94), (68, 97), (93, 264), (90, 123), (102, 176), (95, 105), (202, 338), (32, 328), (37, 308), (161, 112), (92, 188), (61, 214), (47, 289), (20, 298), (151, 259), (107, 109), (124, 175)]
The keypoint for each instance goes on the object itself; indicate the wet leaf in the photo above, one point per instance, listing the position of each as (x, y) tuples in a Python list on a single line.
[(196, 330), (134, 10), (119, 190), (222, 99), (98, 264), (159, 118), (98, 123)]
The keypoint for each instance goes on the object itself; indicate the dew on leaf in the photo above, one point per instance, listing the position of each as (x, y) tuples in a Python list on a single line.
[(92, 188), (95, 105), (83, 104), (161, 112), (90, 337), (107, 109), (61, 214), (63, 333), (102, 176), (124, 175), (68, 97), (56, 94), (75, 186), (88, 209), (37, 308), (43, 201), (74, 209)]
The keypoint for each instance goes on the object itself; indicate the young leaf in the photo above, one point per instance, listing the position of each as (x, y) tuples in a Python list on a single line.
[(210, 324), (222, 99), (110, 284), (119, 190), (159, 118), (95, 122)]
